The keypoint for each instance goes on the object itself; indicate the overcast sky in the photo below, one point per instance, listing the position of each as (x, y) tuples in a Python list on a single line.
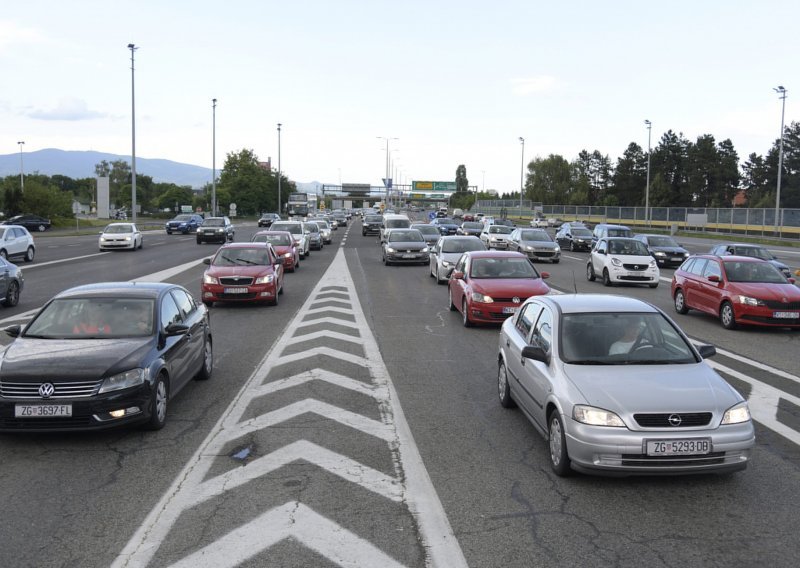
[(456, 82)]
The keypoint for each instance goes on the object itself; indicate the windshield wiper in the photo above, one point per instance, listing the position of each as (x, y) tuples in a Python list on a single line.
[(651, 362), (592, 362)]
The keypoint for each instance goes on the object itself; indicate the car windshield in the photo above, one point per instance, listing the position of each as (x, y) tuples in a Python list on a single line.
[(627, 247), (619, 233), (238, 256), (113, 229), (753, 272), (274, 240), (182, 218), (579, 232), (755, 252), (506, 267), (471, 225), (426, 229), (322, 225), (405, 236), (214, 222), (499, 229), (373, 219), (462, 245), (622, 339), (663, 242), (93, 318), (294, 228), (534, 236)]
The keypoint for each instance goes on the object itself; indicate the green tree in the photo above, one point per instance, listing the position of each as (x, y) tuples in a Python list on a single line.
[(756, 180), (591, 178), (46, 200), (252, 187), (630, 178), (462, 183), (669, 160), (549, 180)]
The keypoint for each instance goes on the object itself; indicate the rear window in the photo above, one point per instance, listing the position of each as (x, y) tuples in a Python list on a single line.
[(398, 223), (373, 219)]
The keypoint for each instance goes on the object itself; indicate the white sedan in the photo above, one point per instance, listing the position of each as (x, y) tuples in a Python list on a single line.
[(120, 236)]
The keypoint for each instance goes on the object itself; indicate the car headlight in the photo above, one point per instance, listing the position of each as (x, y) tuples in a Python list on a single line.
[(737, 414), (265, 279), (218, 230), (447, 264), (492, 238), (557, 248), (287, 255), (208, 279), (653, 263), (424, 249), (125, 380), (596, 416), (390, 249), (747, 300), (659, 253), (616, 262), (478, 297), (102, 239), (529, 248)]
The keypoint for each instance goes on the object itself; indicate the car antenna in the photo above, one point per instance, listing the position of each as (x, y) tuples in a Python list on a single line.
[(574, 283)]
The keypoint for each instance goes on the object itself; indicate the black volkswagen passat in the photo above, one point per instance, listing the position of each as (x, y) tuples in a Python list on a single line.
[(104, 355)]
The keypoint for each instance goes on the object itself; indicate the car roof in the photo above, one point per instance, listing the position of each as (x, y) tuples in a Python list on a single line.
[(743, 245), (611, 226), (599, 303), (247, 244), (493, 253), (121, 289)]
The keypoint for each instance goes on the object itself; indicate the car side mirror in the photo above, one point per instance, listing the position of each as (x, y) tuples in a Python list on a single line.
[(458, 275), (792, 280), (707, 351), (13, 330), (545, 275), (176, 329), (713, 278), (536, 353)]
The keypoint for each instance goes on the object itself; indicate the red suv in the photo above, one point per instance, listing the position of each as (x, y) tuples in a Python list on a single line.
[(737, 289)]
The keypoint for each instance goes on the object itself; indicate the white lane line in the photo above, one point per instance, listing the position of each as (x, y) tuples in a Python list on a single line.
[(70, 259)]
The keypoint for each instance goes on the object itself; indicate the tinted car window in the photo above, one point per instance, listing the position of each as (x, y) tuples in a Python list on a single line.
[(526, 318), (184, 301), (170, 313)]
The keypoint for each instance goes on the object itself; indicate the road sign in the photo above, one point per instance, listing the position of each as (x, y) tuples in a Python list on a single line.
[(431, 215)]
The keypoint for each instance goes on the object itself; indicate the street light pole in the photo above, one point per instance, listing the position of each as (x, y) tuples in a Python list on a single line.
[(521, 176), (213, 157), (279, 168), (647, 187), (386, 179), (133, 49), (781, 91), (21, 169)]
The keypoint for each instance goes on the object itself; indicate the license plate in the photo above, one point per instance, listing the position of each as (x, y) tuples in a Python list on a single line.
[(693, 447), (409, 256), (677, 259), (509, 310), (236, 290), (786, 315), (42, 410)]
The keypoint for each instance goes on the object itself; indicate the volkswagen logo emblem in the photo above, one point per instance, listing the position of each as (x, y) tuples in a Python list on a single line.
[(675, 420), (515, 299), (46, 390)]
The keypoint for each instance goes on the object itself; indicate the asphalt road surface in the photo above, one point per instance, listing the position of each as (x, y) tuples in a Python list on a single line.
[(357, 424)]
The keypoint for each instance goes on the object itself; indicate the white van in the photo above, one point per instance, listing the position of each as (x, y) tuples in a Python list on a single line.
[(393, 221)]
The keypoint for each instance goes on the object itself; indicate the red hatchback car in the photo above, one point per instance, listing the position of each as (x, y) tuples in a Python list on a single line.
[(284, 246), (243, 272), (738, 290), (489, 286)]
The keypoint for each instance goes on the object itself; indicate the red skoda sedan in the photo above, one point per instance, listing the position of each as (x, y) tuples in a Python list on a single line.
[(489, 286), (243, 272), (738, 290), (284, 246)]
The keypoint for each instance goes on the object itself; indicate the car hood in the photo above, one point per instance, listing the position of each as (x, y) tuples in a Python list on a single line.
[(32, 359), (670, 250), (626, 389), (632, 258), (451, 257), (407, 245), (767, 291), (234, 271), (510, 287)]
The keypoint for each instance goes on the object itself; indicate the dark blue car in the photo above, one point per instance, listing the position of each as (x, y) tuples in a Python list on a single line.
[(184, 223), (445, 225)]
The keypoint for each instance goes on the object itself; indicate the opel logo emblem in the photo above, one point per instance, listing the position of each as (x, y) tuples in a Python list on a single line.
[(46, 390), (515, 299), (675, 420)]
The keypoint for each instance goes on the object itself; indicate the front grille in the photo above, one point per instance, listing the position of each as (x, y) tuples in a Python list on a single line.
[(636, 278), (509, 300), (83, 389), (775, 305), (541, 253), (236, 281), (635, 266), (661, 420), (641, 460)]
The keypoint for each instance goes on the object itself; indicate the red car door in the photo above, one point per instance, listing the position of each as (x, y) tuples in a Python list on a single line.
[(709, 293)]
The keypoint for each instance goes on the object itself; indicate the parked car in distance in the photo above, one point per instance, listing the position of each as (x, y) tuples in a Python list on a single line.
[(430, 233), (495, 236), (470, 228), (243, 272), (404, 246), (664, 249), (184, 223), (267, 219), (574, 237), (448, 250), (283, 244), (616, 388), (130, 348), (215, 230), (737, 290), (622, 260), (120, 236), (298, 233), (753, 250), (11, 283), (30, 222), (489, 286), (536, 244), (16, 242)]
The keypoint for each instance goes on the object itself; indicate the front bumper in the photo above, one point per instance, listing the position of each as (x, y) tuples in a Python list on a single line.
[(543, 254), (764, 316), (495, 312), (111, 245), (253, 293), (622, 275), (413, 257), (496, 244)]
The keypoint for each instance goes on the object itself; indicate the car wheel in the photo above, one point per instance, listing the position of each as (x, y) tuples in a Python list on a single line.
[(590, 272), (559, 458), (450, 299), (726, 316), (199, 241), (12, 295), (208, 362), (503, 388), (158, 404), (41, 228), (274, 301), (169, 232), (465, 313), (556, 260), (680, 302), (606, 278), (571, 246), (29, 254), (208, 304)]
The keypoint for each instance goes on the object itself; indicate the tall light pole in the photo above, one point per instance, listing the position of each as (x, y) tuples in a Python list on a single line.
[(483, 184), (521, 176), (647, 187), (781, 91), (279, 168), (133, 49), (21, 169), (386, 179), (213, 157)]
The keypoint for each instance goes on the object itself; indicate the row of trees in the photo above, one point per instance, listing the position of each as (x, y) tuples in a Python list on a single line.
[(242, 180), (704, 173)]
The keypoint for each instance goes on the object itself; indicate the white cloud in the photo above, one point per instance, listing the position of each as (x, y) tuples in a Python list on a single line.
[(68, 108), (531, 85)]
